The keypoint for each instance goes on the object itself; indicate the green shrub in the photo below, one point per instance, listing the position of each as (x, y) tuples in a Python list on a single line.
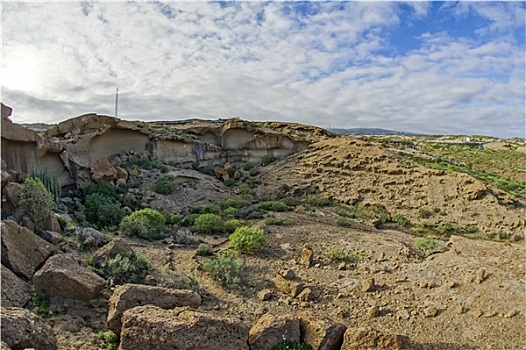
[(189, 220), (101, 211), (231, 211), (164, 185), (208, 224), (174, 218), (248, 239), (400, 220), (126, 269), (291, 345), (179, 281), (290, 201), (229, 202), (229, 182), (267, 159), (424, 213), (36, 201), (274, 206), (247, 166), (232, 225), (254, 171), (276, 221), (145, 223), (337, 254), (226, 270), (206, 209), (342, 221), (204, 249), (108, 340), (426, 244), (245, 190)]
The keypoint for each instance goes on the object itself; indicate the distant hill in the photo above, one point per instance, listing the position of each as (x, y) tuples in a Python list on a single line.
[(371, 131)]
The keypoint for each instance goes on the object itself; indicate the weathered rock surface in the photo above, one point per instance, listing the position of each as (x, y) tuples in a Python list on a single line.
[(321, 333), (369, 339), (112, 249), (129, 296), (181, 329), (289, 287), (15, 292), (271, 329), (22, 329), (22, 251), (63, 276)]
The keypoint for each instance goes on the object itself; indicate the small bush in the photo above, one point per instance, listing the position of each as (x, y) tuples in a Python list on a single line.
[(126, 269), (108, 340), (206, 209), (50, 182), (228, 203), (290, 201), (274, 206), (145, 223), (276, 221), (36, 201), (102, 211), (337, 254), (291, 345), (342, 221), (226, 270), (189, 220), (164, 185), (267, 159), (426, 244), (320, 202), (254, 171), (245, 190), (248, 239), (231, 211), (247, 166), (204, 249), (400, 220), (179, 281), (424, 213), (232, 225), (174, 218), (209, 224)]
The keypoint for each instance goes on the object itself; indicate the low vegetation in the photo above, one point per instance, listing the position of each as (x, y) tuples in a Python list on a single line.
[(209, 224), (145, 223), (36, 201), (125, 269), (226, 270), (248, 239), (337, 254)]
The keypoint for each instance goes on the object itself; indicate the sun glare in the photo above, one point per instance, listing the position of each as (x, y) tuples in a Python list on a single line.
[(21, 71)]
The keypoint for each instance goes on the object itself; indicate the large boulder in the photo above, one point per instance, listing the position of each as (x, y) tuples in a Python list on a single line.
[(15, 292), (129, 296), (22, 329), (22, 251), (62, 276), (270, 329), (103, 170), (112, 249), (180, 328), (321, 333), (366, 338)]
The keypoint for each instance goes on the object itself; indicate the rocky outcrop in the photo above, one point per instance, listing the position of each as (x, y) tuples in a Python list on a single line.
[(22, 329), (321, 333), (367, 339), (270, 329), (128, 296), (62, 276), (181, 329), (22, 251), (78, 150), (15, 292), (111, 250)]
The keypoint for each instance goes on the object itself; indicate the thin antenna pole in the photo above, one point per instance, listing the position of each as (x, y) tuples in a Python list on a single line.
[(116, 101)]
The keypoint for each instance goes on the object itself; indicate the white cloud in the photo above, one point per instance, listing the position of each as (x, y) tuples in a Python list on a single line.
[(261, 61)]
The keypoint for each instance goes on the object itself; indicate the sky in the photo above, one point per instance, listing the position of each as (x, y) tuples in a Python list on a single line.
[(427, 67)]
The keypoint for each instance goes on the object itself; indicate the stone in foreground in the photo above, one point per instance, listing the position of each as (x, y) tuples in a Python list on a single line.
[(22, 329)]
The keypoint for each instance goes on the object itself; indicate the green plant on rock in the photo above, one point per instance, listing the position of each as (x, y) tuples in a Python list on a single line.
[(291, 345), (164, 185), (226, 270), (337, 254), (126, 269), (426, 244), (248, 239), (145, 223), (36, 201), (267, 159), (208, 224), (108, 340)]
